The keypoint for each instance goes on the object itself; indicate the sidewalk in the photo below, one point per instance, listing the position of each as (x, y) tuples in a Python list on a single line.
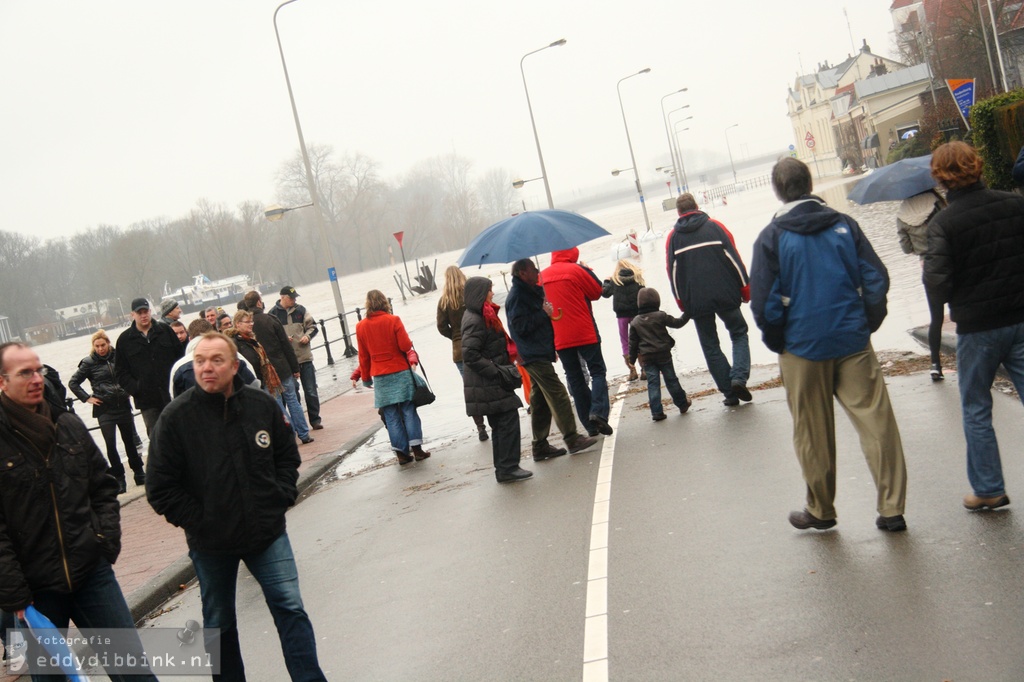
[(154, 565)]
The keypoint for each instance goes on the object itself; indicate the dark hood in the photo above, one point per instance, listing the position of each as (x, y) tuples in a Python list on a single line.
[(648, 300), (476, 293), (806, 215), (626, 276), (692, 221)]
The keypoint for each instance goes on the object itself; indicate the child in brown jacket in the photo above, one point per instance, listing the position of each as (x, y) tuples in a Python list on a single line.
[(650, 341)]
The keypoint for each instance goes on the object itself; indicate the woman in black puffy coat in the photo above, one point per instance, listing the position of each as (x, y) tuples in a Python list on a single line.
[(490, 378), (110, 407)]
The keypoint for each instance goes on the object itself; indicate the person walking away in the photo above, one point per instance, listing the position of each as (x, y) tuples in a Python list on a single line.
[(223, 466), (529, 324), (818, 292), (912, 220), (708, 281), (384, 364), (110, 407), (975, 263), (490, 379), (622, 287), (61, 527), (650, 342), (301, 328), (571, 286), (450, 308), (274, 340), (146, 351)]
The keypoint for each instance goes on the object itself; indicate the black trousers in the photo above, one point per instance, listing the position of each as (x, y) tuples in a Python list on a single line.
[(505, 441)]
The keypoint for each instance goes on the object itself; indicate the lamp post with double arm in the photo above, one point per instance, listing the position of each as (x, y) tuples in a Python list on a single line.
[(671, 151), (632, 157), (536, 138)]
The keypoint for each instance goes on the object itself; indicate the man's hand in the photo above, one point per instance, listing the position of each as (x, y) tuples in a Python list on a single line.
[(548, 308), (94, 401), (296, 375), (304, 341)]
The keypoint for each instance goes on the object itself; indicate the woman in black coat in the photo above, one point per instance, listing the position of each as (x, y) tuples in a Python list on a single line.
[(110, 407), (490, 378)]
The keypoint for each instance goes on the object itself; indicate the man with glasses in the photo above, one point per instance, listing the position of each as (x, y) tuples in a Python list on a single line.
[(223, 466), (60, 526)]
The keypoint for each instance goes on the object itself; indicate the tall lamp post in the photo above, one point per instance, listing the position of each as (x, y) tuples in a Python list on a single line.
[(664, 119), (679, 150), (540, 156), (676, 148), (632, 157), (729, 147), (325, 246)]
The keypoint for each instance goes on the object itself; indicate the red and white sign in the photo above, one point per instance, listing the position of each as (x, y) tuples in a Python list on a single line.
[(809, 140)]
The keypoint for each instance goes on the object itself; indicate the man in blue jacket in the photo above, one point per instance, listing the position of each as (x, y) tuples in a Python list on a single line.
[(818, 291), (529, 325)]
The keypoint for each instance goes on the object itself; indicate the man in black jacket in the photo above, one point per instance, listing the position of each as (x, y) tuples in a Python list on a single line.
[(60, 525), (529, 325), (975, 262), (271, 335), (709, 280), (146, 351), (223, 466)]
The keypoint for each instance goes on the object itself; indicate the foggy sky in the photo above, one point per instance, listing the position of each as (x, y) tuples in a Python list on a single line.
[(121, 111)]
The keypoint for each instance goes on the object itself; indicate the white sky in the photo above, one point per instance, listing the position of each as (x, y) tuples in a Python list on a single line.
[(117, 111)]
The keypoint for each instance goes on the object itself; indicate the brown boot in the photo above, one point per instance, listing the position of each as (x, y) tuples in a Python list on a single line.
[(632, 368), (402, 457), (419, 453)]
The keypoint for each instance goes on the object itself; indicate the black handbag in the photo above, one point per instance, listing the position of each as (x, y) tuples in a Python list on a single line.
[(421, 393), (509, 377)]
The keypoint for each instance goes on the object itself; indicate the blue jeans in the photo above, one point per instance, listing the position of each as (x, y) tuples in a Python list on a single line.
[(275, 571), (97, 603), (707, 332), (404, 427), (307, 375), (654, 372), (289, 399), (978, 355), (591, 401)]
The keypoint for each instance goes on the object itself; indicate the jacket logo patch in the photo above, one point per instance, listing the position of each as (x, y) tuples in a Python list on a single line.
[(841, 230), (263, 439)]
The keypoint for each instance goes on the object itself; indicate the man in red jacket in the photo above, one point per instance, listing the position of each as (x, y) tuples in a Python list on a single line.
[(570, 287)]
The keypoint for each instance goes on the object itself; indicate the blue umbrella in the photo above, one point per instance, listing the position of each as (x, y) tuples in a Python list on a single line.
[(530, 234), (894, 182)]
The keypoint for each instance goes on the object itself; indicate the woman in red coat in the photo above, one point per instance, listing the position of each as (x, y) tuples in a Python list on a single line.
[(384, 364)]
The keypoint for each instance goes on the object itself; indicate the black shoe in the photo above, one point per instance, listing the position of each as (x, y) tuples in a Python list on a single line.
[(545, 450), (658, 417), (686, 407), (891, 523), (731, 402), (140, 478), (517, 474), (581, 443), (316, 427), (481, 433), (937, 373), (804, 520), (601, 424), (742, 392), (307, 440), (592, 432), (122, 485)]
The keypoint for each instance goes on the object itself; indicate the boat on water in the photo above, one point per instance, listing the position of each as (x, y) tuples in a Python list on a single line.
[(205, 292)]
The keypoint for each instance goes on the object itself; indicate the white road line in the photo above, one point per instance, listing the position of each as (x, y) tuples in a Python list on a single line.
[(595, 629)]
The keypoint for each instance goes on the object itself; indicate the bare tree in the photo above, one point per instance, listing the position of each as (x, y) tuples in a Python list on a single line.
[(497, 196)]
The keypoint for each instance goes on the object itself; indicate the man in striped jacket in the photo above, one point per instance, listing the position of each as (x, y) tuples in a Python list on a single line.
[(708, 280)]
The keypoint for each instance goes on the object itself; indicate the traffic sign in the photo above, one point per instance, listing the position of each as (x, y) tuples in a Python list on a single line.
[(809, 140)]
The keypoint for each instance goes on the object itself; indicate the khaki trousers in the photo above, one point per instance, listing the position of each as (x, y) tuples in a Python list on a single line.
[(856, 382), (548, 398)]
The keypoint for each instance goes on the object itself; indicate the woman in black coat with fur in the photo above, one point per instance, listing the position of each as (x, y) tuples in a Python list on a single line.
[(490, 378)]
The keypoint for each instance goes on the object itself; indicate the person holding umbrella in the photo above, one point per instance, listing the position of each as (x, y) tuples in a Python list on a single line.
[(912, 220)]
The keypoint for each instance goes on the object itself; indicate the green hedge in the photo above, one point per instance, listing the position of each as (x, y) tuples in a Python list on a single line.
[(998, 130)]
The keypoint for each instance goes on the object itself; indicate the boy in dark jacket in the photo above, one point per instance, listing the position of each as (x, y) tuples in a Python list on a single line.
[(649, 341)]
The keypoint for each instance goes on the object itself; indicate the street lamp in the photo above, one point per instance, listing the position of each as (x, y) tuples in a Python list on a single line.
[(275, 212), (621, 170), (518, 184), (729, 147), (679, 151), (685, 106), (632, 157), (540, 156), (325, 246), (664, 118)]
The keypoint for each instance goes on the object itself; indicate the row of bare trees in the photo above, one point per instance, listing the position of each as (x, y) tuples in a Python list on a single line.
[(440, 205)]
